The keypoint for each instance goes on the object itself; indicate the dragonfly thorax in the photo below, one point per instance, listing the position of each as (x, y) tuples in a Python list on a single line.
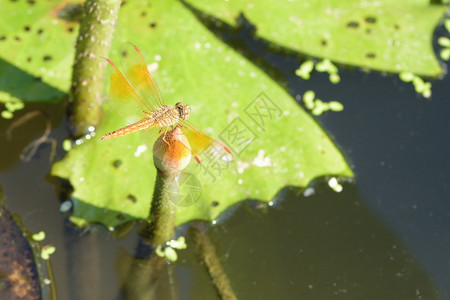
[(183, 110), (168, 115)]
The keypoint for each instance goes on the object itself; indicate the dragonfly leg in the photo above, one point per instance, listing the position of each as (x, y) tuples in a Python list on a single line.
[(164, 137)]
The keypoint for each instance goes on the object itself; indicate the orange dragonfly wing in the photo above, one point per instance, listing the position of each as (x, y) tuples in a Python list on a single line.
[(122, 97), (136, 71), (135, 92), (203, 146)]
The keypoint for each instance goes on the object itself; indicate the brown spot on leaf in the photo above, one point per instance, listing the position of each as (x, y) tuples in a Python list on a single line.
[(117, 163), (371, 19), (353, 24), (70, 12), (132, 198)]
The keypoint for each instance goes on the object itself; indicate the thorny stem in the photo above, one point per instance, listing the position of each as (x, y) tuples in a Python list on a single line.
[(162, 212), (94, 40), (143, 275)]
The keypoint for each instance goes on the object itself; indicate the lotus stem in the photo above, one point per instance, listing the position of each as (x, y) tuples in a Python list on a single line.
[(94, 40)]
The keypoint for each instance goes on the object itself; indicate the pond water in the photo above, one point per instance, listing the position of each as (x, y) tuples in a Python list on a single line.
[(385, 236)]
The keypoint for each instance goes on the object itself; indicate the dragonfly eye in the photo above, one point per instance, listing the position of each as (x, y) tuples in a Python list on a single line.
[(183, 110)]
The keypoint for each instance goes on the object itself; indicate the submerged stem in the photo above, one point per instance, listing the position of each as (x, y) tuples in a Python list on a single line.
[(212, 262)]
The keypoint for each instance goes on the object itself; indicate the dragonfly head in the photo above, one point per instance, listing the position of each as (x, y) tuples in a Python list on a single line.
[(183, 110)]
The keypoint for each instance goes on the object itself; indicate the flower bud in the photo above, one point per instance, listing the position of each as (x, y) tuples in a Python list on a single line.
[(170, 151)]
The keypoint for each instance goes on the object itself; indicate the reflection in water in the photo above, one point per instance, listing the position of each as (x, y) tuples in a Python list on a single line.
[(145, 275)]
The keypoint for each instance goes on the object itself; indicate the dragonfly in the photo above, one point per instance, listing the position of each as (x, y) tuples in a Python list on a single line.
[(136, 97)]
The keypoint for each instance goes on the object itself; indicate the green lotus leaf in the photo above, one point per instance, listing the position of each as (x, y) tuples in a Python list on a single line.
[(274, 142), (384, 35)]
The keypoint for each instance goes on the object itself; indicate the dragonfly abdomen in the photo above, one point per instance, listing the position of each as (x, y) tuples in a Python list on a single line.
[(143, 124)]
